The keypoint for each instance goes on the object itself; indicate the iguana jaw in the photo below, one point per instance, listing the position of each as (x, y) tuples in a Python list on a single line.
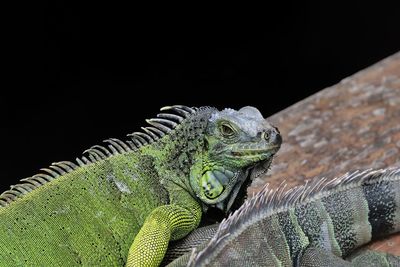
[(224, 187), (239, 193)]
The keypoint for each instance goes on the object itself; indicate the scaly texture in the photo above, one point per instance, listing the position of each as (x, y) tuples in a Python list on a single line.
[(316, 224), (123, 203)]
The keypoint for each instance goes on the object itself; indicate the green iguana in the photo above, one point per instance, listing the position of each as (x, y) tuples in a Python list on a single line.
[(123, 203), (316, 224)]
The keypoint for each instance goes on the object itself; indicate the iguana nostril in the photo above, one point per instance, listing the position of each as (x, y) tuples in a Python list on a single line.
[(272, 136)]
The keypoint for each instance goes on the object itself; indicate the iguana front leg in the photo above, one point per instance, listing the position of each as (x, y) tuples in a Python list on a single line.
[(165, 223)]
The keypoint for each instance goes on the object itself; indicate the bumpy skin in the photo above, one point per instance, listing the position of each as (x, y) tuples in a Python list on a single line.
[(180, 250), (307, 226), (123, 204)]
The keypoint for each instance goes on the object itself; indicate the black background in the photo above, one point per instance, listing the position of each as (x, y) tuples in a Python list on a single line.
[(79, 73)]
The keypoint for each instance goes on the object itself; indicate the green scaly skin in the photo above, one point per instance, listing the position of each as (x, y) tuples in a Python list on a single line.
[(319, 224), (121, 205)]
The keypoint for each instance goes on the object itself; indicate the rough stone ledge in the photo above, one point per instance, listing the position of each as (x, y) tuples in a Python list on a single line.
[(352, 125)]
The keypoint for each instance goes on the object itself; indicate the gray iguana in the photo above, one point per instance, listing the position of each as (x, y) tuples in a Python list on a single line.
[(123, 203), (316, 224)]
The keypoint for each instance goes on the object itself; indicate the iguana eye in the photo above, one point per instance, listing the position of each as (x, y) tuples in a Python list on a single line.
[(226, 130)]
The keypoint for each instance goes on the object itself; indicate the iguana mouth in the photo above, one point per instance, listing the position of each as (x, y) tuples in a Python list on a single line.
[(255, 152)]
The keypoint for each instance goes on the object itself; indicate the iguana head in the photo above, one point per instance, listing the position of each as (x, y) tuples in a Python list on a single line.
[(234, 143)]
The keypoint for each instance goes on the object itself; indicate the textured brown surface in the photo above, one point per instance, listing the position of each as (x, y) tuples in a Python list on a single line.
[(352, 125)]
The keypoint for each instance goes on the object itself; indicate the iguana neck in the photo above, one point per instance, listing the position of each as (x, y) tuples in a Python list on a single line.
[(177, 152)]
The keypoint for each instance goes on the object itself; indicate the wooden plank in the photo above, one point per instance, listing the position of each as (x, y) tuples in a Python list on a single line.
[(352, 125)]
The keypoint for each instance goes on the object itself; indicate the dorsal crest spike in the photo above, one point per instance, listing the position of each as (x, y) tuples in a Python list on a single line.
[(159, 126), (39, 179), (44, 176), (94, 157), (136, 142), (58, 169), (132, 145), (144, 137), (31, 182), (165, 122), (177, 110), (138, 139), (80, 162), (114, 144), (180, 107), (63, 165), (95, 151), (150, 133), (188, 109), (169, 116), (85, 160), (19, 188), (7, 196), (51, 172), (13, 193), (114, 151), (70, 164), (157, 129), (30, 185), (121, 143), (103, 149)]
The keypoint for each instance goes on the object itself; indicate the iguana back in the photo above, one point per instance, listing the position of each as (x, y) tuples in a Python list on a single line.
[(89, 215)]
